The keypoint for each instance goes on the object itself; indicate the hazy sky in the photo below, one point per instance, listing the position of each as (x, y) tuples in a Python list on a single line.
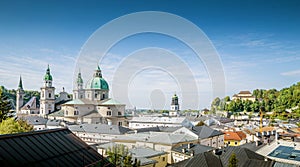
[(258, 43)]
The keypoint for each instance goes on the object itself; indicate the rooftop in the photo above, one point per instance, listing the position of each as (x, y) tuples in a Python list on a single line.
[(245, 157), (99, 128), (57, 147), (237, 136), (34, 120), (194, 148), (145, 152)]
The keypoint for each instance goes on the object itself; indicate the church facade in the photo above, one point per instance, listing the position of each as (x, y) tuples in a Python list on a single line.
[(90, 104)]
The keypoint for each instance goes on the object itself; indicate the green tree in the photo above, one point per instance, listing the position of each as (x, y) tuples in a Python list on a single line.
[(201, 123), (9, 126), (233, 161), (25, 126), (215, 104), (4, 105), (120, 156), (227, 99)]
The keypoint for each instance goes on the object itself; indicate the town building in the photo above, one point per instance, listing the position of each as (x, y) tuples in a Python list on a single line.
[(205, 135), (47, 103), (92, 104), (282, 151), (89, 105), (234, 138), (20, 96), (150, 121), (174, 106), (98, 133), (159, 141), (186, 151), (146, 156), (244, 95)]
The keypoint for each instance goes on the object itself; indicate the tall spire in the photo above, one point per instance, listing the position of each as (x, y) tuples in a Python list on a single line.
[(79, 78), (48, 75), (98, 72), (20, 83)]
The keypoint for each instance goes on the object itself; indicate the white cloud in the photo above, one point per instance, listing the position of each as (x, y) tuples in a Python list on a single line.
[(291, 73)]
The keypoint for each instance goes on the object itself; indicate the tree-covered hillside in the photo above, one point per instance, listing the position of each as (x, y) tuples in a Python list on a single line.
[(270, 100)]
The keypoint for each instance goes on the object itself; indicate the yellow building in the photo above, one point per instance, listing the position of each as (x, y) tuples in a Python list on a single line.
[(234, 138)]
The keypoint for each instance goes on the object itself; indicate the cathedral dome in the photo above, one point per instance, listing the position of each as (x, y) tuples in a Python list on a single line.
[(97, 82)]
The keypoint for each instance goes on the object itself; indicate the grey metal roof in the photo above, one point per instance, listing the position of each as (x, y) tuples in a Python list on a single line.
[(52, 122), (59, 113), (206, 159), (280, 164), (56, 147), (245, 157), (168, 129), (194, 148), (156, 129), (157, 137), (99, 128), (31, 104), (145, 152), (92, 114), (34, 120), (167, 138), (252, 146), (204, 132)]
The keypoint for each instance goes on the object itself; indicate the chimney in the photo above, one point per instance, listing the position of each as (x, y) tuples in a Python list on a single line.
[(183, 150), (189, 145), (192, 153)]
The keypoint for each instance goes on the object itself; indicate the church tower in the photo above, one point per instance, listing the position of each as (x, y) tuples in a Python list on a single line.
[(97, 88), (47, 100), (20, 97), (78, 93), (175, 104)]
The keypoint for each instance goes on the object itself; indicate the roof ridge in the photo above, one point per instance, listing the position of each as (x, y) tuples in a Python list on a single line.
[(5, 136)]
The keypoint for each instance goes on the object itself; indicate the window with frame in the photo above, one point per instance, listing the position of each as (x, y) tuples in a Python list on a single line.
[(119, 113), (108, 113)]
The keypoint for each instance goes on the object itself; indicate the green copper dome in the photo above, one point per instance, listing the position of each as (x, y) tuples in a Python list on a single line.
[(48, 76), (97, 82)]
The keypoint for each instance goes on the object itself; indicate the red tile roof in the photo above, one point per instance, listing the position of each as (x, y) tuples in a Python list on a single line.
[(234, 135)]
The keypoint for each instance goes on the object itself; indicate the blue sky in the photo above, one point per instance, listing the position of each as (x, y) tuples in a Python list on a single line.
[(258, 43)]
